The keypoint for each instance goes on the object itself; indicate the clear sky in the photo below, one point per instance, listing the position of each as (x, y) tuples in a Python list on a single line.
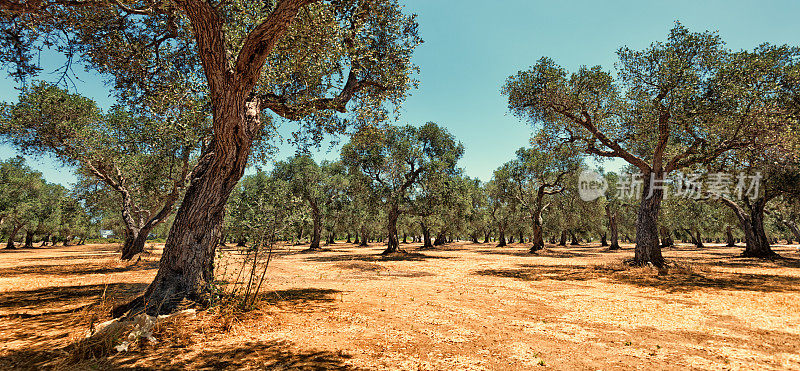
[(472, 46)]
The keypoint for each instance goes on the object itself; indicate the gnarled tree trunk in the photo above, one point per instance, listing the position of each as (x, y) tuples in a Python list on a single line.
[(648, 249), (134, 242), (731, 242), (393, 244), (752, 224), (440, 239), (574, 239), (537, 239), (502, 238), (28, 240), (316, 230), (426, 236), (563, 240), (10, 244)]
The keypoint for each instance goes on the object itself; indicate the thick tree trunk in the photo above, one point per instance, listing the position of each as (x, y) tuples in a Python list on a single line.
[(795, 230), (316, 233), (356, 240), (752, 223), (10, 244), (186, 269), (440, 239), (393, 243), (603, 240), (502, 238), (364, 237), (28, 240), (426, 236), (511, 239), (405, 237), (698, 239), (648, 250), (729, 237), (486, 237), (331, 239), (537, 240), (45, 240), (574, 239), (563, 240), (134, 243)]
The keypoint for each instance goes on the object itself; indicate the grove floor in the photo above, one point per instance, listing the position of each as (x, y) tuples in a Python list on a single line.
[(463, 306)]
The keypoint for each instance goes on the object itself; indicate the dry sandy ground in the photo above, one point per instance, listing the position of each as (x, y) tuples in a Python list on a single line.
[(461, 307)]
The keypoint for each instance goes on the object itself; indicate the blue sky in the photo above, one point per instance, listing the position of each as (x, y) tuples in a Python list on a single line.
[(472, 46)]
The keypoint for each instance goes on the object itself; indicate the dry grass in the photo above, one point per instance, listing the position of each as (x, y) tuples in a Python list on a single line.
[(460, 307)]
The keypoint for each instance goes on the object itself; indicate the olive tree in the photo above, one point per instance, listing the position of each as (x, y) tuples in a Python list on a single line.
[(673, 105), (301, 60), (396, 160), (145, 164)]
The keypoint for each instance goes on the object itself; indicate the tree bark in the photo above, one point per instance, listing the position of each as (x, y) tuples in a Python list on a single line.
[(603, 240), (28, 240), (393, 243), (648, 250), (537, 239), (486, 237), (440, 239), (134, 242), (364, 237), (729, 237), (574, 239), (563, 240), (316, 233), (752, 223), (502, 238), (10, 244), (426, 236), (699, 239), (356, 240)]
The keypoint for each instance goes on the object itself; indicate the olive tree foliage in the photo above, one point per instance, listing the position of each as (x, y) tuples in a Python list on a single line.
[(262, 209), (397, 160), (670, 106), (307, 61), (538, 172), (20, 190), (322, 187), (28, 203), (144, 161)]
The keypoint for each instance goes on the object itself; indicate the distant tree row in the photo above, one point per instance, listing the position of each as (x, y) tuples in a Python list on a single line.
[(35, 211)]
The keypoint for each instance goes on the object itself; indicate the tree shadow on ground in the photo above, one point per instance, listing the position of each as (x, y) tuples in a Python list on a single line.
[(728, 261), (374, 257), (300, 300), (63, 295), (678, 280), (262, 355), (45, 319), (547, 252), (77, 269)]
